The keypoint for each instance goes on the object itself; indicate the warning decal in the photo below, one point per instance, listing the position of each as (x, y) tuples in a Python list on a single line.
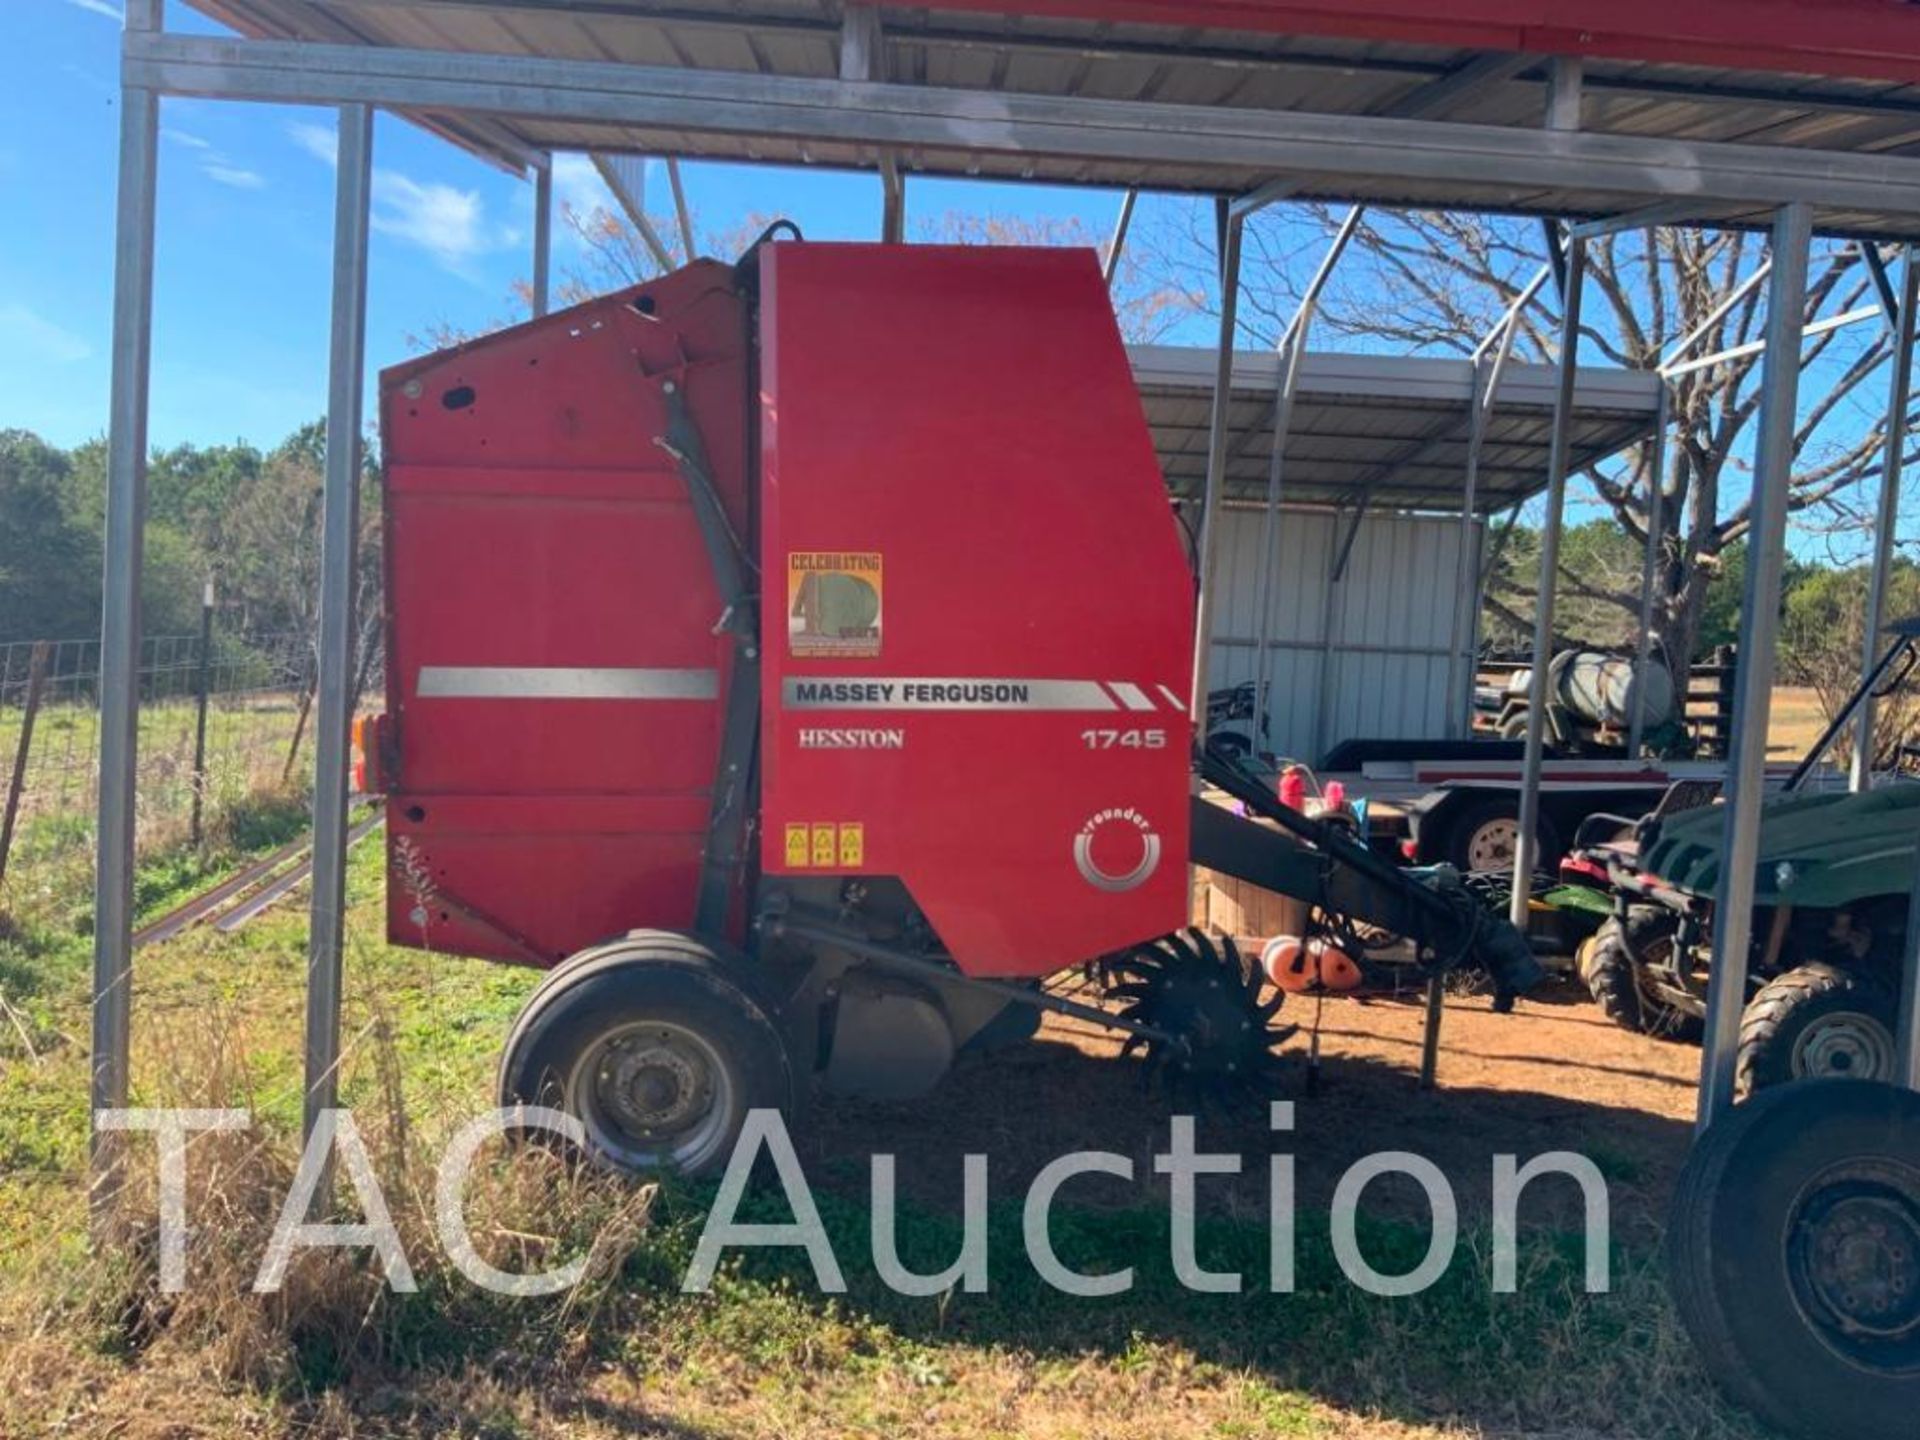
[(826, 845), (833, 603)]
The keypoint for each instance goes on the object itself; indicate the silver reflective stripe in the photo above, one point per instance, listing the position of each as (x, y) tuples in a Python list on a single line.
[(1131, 696), (1172, 699), (562, 682), (935, 693)]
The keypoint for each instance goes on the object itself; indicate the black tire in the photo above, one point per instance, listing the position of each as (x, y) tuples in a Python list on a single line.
[(1612, 962), (658, 1044), (1818, 1022), (1793, 1255), (1470, 842)]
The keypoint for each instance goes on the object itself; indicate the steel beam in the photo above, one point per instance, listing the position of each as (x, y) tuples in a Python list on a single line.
[(1566, 89), (126, 519), (689, 246), (626, 177), (1656, 498), (1483, 72), (1887, 518), (1208, 542), (1882, 281), (542, 238), (1488, 374), (1759, 632), (1110, 262), (893, 201), (1526, 855), (1293, 350), (339, 545), (1674, 371), (1666, 212), (1503, 329), (1719, 312), (1480, 164)]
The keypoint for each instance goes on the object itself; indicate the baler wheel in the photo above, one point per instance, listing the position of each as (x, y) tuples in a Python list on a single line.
[(1206, 999), (658, 1044)]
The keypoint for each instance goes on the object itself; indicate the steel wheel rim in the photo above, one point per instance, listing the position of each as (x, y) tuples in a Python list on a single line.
[(1853, 1263), (1494, 846), (1847, 1044), (653, 1094)]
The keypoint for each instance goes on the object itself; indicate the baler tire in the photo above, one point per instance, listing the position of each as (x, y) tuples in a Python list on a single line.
[(1751, 1246), (1778, 1019), (1611, 967), (698, 1010)]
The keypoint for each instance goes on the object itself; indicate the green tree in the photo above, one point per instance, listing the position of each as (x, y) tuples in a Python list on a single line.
[(49, 563)]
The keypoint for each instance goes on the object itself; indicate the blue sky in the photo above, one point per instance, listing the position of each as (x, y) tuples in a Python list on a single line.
[(244, 237)]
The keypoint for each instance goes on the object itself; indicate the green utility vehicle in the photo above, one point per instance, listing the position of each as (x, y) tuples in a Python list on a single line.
[(1833, 886)]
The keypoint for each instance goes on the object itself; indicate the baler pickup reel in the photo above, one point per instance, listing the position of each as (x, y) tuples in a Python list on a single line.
[(1448, 925)]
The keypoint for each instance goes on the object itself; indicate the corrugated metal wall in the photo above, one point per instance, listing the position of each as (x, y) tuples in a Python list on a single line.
[(1380, 672)]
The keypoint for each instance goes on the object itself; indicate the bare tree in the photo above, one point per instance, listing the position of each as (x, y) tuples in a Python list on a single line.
[(1431, 282)]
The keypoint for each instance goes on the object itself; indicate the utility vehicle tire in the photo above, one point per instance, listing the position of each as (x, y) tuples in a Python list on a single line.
[(1483, 833), (658, 1043), (1818, 1022), (1793, 1255), (1610, 963)]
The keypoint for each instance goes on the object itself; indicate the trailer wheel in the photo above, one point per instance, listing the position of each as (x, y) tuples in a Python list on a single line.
[(1484, 835), (657, 1044), (1793, 1255), (1613, 965), (1818, 1022)]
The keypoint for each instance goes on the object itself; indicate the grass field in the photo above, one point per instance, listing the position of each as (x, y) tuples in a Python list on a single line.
[(93, 1350)]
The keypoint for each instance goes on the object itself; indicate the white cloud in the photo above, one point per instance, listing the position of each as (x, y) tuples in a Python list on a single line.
[(577, 184), (319, 141), (39, 339), (215, 164), (234, 175), (100, 7), (447, 223)]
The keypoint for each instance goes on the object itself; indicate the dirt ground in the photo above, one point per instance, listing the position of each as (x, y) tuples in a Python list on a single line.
[(1555, 1075)]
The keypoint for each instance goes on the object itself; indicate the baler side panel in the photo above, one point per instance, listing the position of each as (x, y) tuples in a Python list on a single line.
[(554, 678), (959, 430)]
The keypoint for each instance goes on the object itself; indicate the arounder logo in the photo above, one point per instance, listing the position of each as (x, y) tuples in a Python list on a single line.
[(1116, 850)]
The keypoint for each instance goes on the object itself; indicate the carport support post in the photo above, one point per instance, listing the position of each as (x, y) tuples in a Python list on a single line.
[(1656, 496), (543, 238), (1209, 538), (1526, 853), (334, 702), (1906, 1070), (120, 617), (1759, 632), (1887, 519)]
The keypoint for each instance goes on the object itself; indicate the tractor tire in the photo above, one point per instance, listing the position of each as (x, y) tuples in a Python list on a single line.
[(658, 1044), (1818, 1022), (1793, 1256), (1482, 836), (1611, 963)]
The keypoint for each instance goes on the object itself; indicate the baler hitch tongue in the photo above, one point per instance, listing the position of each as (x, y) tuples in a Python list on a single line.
[(1434, 908)]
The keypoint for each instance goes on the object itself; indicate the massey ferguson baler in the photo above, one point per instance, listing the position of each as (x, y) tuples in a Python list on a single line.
[(795, 657)]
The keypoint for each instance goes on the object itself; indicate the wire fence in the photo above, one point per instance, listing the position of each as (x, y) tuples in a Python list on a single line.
[(223, 717)]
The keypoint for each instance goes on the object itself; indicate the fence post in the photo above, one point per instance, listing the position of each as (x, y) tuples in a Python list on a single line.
[(17, 783), (200, 689), (299, 730)]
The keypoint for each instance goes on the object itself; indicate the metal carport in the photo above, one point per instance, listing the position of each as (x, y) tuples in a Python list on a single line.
[(1392, 468), (1797, 117)]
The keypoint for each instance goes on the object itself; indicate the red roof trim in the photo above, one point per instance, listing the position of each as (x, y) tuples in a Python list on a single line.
[(1845, 39)]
